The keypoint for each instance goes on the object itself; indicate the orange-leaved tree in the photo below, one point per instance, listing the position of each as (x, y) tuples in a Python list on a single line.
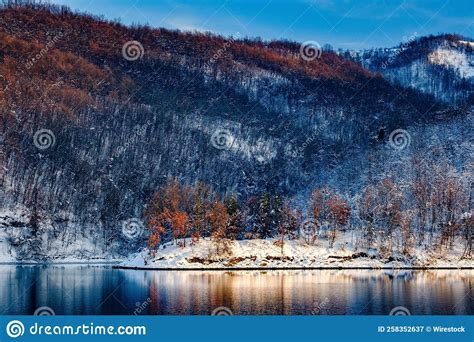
[(167, 211), (218, 219)]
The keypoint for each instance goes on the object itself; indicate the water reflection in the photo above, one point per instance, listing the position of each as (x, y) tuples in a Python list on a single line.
[(81, 290)]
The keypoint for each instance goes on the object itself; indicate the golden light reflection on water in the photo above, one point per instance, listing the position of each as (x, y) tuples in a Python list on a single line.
[(311, 292), (99, 290)]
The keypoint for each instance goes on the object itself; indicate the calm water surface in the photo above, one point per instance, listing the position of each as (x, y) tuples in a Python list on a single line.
[(101, 290)]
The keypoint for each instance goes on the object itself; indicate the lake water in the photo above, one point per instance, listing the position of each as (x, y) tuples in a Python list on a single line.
[(102, 290)]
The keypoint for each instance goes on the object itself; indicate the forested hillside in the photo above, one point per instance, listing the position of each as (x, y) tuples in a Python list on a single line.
[(100, 120), (440, 65)]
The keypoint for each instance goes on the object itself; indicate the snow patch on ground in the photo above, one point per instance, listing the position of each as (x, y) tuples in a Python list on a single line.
[(10, 221), (453, 59), (6, 253), (296, 254), (16, 243), (465, 42)]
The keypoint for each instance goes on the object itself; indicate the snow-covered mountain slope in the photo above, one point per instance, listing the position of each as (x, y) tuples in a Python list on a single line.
[(439, 65), (461, 62), (89, 135)]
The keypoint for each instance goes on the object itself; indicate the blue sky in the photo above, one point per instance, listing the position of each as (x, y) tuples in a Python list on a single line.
[(347, 24)]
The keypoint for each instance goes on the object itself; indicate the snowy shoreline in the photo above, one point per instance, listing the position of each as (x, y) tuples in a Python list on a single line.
[(297, 255), (295, 268)]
